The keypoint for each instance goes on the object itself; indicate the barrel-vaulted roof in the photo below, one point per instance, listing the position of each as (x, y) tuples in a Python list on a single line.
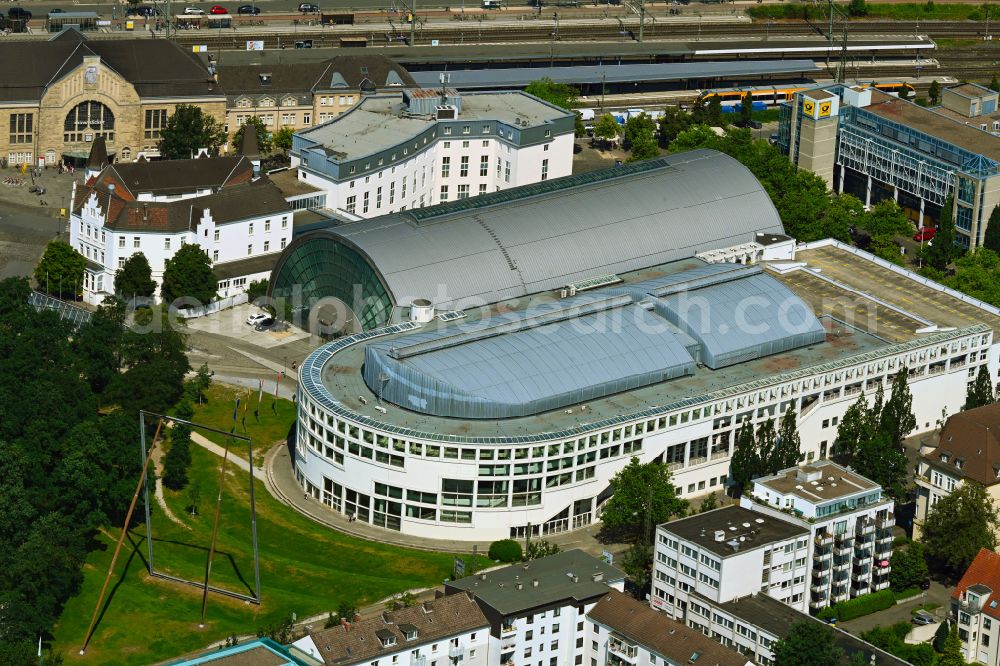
[(544, 236)]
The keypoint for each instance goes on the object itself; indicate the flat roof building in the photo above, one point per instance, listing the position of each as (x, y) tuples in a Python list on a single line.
[(877, 146)]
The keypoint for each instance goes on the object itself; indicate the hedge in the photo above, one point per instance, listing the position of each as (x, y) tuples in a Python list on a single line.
[(859, 606), (506, 550)]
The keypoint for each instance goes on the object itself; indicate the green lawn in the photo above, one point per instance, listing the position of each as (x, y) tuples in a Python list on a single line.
[(272, 427), (909, 11), (304, 568)]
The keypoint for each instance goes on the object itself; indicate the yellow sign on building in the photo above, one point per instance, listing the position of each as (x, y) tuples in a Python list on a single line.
[(824, 109), (808, 107)]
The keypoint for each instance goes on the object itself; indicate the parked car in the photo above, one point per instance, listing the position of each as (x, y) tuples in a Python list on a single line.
[(256, 317), (18, 13), (264, 324), (56, 10), (194, 11), (309, 8), (217, 10), (925, 584), (924, 234), (773, 139), (923, 617), (248, 9)]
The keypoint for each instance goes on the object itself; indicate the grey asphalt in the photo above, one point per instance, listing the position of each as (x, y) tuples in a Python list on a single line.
[(937, 594), (23, 236)]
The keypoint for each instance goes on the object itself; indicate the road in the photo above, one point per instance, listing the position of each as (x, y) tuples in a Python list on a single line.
[(937, 594), (23, 236)]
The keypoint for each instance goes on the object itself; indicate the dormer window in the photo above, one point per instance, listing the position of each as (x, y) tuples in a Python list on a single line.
[(409, 631), (944, 457), (265, 79), (386, 637)]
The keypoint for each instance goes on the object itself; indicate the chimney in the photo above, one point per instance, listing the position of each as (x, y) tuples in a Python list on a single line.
[(534, 582)]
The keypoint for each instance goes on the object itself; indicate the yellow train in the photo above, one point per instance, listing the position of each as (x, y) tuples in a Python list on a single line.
[(774, 95)]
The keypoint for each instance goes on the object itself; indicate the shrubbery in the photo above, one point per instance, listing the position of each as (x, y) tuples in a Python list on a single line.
[(506, 550), (863, 605)]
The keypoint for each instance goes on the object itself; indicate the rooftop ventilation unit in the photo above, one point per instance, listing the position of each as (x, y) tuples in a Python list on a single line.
[(446, 112), (720, 535)]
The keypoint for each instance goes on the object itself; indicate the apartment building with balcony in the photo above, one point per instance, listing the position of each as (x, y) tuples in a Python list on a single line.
[(448, 631), (967, 451), (725, 554), (536, 609), (621, 631), (849, 522), (975, 606)]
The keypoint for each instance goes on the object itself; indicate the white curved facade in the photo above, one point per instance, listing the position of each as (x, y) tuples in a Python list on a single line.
[(369, 461)]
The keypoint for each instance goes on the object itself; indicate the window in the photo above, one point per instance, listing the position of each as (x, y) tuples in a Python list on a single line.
[(215, 236), (392, 193), (156, 120), (378, 198), (284, 222), (447, 131), (484, 165), (445, 166), (267, 225), (463, 170), (307, 118), (251, 229), (545, 169), (283, 241), (87, 121), (135, 242), (166, 243), (466, 129), (545, 148), (215, 255), (364, 207), (249, 249), (482, 188), (463, 191), (21, 125), (444, 193), (506, 171), (267, 246), (121, 241)]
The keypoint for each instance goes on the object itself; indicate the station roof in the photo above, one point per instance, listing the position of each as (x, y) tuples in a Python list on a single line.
[(490, 248), (628, 73)]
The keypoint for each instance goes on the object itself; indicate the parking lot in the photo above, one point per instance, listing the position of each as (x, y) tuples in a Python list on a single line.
[(232, 323)]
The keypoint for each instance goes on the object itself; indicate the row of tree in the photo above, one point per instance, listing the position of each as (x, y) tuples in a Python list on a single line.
[(188, 274), (69, 457), (765, 451)]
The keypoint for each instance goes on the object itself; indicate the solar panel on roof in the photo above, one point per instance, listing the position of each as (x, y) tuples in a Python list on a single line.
[(451, 315)]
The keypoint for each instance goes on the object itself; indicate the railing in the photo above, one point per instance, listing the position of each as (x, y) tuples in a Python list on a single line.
[(824, 539), (507, 629), (720, 454)]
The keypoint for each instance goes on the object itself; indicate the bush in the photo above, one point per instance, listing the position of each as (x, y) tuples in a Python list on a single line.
[(859, 606), (506, 550)]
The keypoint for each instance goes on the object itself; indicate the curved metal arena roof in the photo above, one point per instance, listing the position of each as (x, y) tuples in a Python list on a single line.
[(544, 236), (592, 345)]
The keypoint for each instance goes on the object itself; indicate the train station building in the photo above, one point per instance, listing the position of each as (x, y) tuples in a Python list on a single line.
[(877, 146)]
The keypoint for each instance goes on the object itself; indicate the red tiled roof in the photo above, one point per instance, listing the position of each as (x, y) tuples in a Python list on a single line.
[(984, 570)]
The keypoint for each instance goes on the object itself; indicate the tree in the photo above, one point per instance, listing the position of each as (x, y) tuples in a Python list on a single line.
[(178, 458), (643, 498), (506, 550), (951, 655), (994, 84), (767, 442), (896, 418), (991, 237), (883, 223), (713, 112), (153, 354), (857, 8), (60, 270), (560, 94), (746, 459), (265, 140), (188, 274), (193, 497), (607, 128), (637, 128), (644, 148), (282, 140), (256, 289), (637, 563), (788, 449), (808, 643), (909, 566), (746, 108), (980, 392), (198, 386), (134, 278), (540, 548), (710, 503), (942, 250), (188, 130), (959, 525), (884, 463), (347, 611), (978, 275), (934, 91), (673, 121)]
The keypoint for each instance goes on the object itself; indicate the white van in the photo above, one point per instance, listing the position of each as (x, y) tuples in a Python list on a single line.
[(585, 114), (492, 4)]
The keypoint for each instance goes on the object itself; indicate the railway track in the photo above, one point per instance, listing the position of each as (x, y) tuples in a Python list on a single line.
[(612, 29)]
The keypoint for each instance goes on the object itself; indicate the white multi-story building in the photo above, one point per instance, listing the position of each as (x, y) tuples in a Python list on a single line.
[(218, 203), (536, 609), (975, 606), (621, 631), (397, 152), (449, 631), (724, 554), (849, 520), (397, 428)]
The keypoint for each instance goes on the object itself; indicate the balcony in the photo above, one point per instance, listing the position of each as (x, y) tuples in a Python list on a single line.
[(866, 526), (820, 556), (456, 653), (418, 661), (819, 585), (823, 539), (884, 521), (862, 556), (507, 629), (821, 568), (508, 644), (881, 586), (861, 576), (623, 649), (716, 455)]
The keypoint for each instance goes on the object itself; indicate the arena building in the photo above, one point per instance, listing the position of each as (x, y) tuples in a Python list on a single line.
[(518, 349)]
